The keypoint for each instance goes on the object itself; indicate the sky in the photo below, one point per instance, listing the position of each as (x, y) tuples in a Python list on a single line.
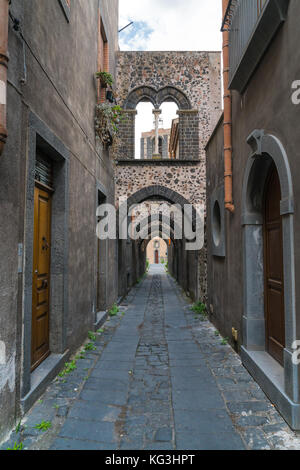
[(162, 25), (168, 25)]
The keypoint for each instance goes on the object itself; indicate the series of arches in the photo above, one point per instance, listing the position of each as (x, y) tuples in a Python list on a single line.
[(157, 97), (188, 126), (183, 264)]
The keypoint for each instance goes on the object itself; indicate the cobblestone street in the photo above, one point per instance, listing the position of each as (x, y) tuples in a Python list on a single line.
[(159, 379)]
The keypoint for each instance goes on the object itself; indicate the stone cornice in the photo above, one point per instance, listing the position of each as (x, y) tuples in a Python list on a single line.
[(162, 162)]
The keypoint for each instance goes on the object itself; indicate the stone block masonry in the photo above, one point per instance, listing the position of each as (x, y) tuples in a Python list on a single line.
[(184, 177)]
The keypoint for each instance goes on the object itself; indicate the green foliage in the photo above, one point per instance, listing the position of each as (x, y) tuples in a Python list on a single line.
[(92, 336), (224, 341), (43, 426), (69, 367), (147, 265), (114, 311), (106, 78), (217, 333), (107, 121), (199, 308), (17, 446), (18, 427), (90, 347), (101, 330)]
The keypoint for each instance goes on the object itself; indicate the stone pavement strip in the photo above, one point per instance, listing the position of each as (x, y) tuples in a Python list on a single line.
[(159, 379)]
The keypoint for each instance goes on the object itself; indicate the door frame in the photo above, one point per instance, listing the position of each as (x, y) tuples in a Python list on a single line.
[(281, 384), (40, 136)]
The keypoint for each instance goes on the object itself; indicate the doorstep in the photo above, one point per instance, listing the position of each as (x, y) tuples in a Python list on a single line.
[(101, 319), (41, 377), (269, 375)]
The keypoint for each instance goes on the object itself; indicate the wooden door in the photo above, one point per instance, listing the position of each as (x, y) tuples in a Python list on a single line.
[(41, 277), (156, 257), (274, 281)]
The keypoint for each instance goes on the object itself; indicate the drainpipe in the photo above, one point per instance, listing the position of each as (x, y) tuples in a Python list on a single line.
[(227, 120), (4, 10)]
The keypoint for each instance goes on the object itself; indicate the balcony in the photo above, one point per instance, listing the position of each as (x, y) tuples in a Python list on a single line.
[(252, 25)]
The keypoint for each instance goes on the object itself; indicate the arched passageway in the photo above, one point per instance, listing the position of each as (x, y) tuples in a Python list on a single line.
[(170, 222)]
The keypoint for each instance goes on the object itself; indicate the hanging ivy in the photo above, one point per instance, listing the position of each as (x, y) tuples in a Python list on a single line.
[(108, 119)]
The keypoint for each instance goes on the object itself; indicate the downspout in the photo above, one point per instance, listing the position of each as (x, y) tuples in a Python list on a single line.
[(227, 120), (4, 11)]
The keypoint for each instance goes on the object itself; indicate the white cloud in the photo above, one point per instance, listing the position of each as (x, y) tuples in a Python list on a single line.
[(181, 25)]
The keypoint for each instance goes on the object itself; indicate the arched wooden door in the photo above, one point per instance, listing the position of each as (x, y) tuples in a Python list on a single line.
[(273, 261)]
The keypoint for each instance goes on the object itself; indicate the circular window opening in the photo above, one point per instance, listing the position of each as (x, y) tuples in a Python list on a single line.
[(216, 224)]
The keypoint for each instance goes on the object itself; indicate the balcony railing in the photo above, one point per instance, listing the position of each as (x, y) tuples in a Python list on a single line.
[(252, 25)]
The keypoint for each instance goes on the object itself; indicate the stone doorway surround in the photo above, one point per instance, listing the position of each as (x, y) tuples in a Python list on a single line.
[(281, 384), (33, 384)]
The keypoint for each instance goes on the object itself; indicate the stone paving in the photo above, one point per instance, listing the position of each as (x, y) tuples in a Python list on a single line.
[(158, 378)]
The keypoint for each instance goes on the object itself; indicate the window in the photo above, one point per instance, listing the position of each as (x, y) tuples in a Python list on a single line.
[(103, 58), (252, 25)]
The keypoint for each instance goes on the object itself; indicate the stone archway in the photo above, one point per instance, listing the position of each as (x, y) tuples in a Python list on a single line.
[(268, 150), (161, 193), (189, 261), (191, 80), (157, 97)]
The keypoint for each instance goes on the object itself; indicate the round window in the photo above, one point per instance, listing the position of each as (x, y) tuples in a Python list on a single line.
[(216, 224)]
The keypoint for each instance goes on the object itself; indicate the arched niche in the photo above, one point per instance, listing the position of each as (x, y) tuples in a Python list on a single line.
[(280, 383)]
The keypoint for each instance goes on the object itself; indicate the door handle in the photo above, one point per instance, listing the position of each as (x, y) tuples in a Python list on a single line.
[(44, 284), (46, 244)]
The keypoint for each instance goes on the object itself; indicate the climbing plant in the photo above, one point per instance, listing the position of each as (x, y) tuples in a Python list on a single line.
[(108, 119)]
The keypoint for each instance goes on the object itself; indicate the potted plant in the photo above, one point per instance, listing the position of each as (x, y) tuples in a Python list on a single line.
[(105, 78)]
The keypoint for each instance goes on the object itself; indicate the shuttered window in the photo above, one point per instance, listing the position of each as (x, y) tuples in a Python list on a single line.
[(44, 170)]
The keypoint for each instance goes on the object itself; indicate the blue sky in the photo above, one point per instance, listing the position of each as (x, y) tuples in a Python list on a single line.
[(171, 25)]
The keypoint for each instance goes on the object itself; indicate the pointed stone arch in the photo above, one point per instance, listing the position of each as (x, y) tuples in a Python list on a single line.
[(157, 97), (280, 383)]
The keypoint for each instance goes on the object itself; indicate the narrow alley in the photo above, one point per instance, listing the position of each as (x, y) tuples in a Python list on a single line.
[(159, 378)]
